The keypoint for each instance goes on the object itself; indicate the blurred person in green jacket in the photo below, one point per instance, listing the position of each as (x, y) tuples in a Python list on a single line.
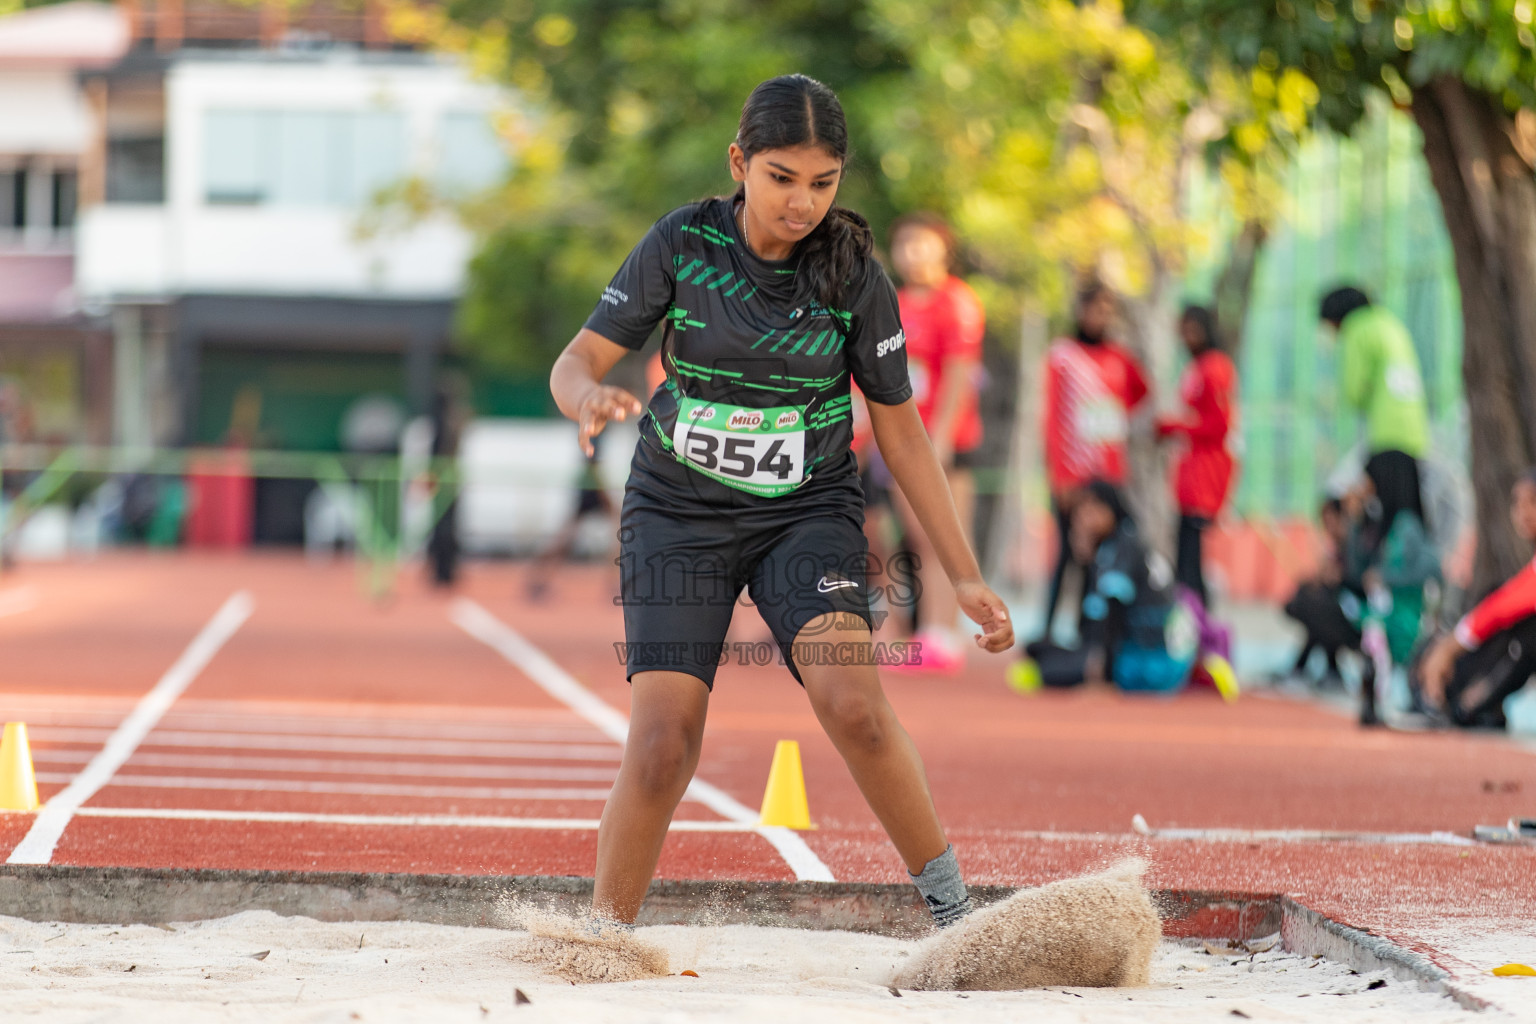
[(1389, 558), (1379, 373)]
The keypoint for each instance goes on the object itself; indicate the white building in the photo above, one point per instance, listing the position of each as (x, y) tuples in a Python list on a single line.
[(57, 358), (235, 246)]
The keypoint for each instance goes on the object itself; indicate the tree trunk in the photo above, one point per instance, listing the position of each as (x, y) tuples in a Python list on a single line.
[(1234, 288), (1488, 193), (1150, 322)]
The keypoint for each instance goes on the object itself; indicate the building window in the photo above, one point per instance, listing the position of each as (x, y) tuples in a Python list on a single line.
[(470, 156), (35, 196), (136, 170), (300, 158), (65, 194), (13, 198)]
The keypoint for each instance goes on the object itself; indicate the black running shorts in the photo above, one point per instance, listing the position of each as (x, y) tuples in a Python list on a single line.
[(689, 546)]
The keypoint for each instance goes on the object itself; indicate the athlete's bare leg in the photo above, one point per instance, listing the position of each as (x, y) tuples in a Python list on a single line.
[(863, 727), (666, 733)]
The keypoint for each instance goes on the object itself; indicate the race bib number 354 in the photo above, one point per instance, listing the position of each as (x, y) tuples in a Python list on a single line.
[(761, 451)]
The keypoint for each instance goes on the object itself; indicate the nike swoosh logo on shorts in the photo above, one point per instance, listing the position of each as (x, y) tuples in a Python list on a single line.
[(826, 586)]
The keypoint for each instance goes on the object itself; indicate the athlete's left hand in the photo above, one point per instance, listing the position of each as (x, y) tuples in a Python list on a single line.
[(987, 610)]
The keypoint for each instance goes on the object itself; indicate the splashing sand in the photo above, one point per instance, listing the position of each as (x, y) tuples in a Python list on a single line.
[(1094, 931), (574, 950)]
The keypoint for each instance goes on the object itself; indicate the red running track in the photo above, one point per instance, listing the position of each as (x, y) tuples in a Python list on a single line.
[(325, 720)]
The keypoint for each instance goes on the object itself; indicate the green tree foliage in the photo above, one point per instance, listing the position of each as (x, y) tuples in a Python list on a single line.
[(627, 110), (1056, 136), (1353, 46), (1061, 137), (1467, 71)]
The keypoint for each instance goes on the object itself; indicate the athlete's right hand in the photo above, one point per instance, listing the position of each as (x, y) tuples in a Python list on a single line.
[(601, 404), (987, 610)]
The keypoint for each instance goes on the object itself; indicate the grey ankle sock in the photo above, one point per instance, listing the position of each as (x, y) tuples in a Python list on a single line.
[(595, 926), (942, 889)]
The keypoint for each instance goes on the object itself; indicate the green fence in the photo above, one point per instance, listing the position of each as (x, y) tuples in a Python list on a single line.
[(1359, 211)]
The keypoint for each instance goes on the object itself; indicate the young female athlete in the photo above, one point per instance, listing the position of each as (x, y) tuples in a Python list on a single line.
[(743, 478)]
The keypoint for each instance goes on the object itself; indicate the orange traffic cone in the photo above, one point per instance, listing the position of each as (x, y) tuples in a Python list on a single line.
[(18, 783), (784, 802)]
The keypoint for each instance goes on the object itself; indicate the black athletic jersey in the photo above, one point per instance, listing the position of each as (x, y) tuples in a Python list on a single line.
[(757, 389)]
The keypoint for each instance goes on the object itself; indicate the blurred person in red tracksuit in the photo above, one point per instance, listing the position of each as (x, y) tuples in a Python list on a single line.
[(1203, 477), (944, 322), (1091, 386)]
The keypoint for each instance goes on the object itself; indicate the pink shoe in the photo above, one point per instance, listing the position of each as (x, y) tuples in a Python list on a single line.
[(938, 658)]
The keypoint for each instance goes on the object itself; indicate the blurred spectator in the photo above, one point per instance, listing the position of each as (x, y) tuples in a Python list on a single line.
[(1130, 628), (1492, 652), (1091, 385), (1315, 604), (944, 323), (1389, 558), (1379, 373), (448, 418), (591, 499), (1203, 478)]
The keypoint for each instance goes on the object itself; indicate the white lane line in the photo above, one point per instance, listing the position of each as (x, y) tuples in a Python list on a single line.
[(94, 726), (560, 684), (1298, 835), (576, 733), (225, 783), (356, 745), (440, 820), (38, 844), (17, 600), (338, 766)]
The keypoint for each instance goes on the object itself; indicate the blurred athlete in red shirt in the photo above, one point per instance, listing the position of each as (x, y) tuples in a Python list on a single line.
[(1492, 651), (1091, 386), (943, 322), (1203, 477)]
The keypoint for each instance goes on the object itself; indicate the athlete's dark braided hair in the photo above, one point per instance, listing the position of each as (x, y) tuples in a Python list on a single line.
[(794, 110)]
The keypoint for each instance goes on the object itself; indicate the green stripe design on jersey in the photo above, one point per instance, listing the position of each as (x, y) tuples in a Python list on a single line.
[(698, 272), (834, 341), (709, 234), (700, 372), (834, 411), (680, 321)]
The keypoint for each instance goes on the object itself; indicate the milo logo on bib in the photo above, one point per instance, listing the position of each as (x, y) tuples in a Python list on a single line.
[(760, 451)]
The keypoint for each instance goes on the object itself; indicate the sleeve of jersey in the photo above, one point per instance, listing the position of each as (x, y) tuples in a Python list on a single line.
[(1510, 604), (877, 346), (638, 296)]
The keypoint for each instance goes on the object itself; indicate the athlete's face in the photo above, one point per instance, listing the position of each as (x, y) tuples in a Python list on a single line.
[(789, 191), (921, 257), (1522, 510)]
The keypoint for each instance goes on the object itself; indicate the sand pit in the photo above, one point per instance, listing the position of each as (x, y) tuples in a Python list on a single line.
[(369, 971)]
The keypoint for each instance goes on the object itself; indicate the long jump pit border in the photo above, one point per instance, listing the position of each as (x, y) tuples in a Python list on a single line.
[(160, 896)]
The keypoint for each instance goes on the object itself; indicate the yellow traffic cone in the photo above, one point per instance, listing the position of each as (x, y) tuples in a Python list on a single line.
[(18, 783), (784, 802)]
